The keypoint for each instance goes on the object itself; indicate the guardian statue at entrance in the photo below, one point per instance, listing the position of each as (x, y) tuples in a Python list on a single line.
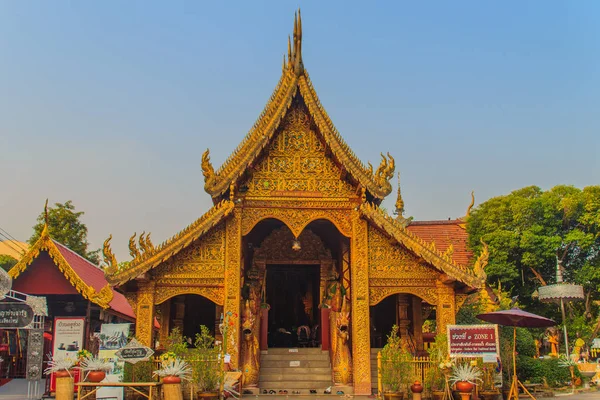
[(342, 360), (250, 350)]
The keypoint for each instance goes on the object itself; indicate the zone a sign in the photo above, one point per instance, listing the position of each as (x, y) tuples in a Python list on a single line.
[(473, 340)]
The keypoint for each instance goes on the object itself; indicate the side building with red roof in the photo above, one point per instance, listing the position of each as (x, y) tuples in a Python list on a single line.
[(72, 286)]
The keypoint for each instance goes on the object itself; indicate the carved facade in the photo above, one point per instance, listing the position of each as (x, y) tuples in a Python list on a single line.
[(293, 193)]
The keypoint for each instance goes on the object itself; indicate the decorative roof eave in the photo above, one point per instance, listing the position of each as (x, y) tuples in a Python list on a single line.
[(45, 243), (153, 257), (474, 278)]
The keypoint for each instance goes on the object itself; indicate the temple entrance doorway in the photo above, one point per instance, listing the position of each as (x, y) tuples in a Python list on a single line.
[(292, 292)]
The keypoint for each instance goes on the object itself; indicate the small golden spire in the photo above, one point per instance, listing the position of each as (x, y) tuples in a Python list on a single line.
[(399, 201), (283, 65), (472, 203), (297, 51), (46, 212), (290, 54)]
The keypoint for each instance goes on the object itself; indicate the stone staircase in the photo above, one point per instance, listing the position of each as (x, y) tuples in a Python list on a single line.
[(299, 369)]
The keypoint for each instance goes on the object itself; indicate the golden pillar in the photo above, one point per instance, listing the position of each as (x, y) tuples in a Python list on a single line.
[(144, 316), (359, 273), (233, 262), (446, 307)]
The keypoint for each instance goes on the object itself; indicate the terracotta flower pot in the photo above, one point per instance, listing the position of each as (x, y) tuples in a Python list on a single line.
[(393, 395), (63, 373), (171, 379), (464, 387), (437, 394), (207, 395), (416, 387), (96, 376)]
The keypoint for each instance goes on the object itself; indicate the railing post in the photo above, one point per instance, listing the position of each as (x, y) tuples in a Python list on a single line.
[(379, 385)]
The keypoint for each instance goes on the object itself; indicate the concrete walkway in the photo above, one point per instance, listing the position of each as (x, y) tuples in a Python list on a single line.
[(17, 389)]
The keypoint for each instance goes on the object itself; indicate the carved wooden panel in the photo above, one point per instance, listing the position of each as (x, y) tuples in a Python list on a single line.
[(296, 162), (277, 247)]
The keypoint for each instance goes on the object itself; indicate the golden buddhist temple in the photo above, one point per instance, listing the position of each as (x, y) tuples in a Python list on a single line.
[(296, 251)]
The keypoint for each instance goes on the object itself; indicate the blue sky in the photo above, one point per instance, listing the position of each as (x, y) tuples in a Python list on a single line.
[(110, 104)]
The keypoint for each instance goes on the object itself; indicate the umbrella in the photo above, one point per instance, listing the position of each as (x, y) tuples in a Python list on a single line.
[(516, 318)]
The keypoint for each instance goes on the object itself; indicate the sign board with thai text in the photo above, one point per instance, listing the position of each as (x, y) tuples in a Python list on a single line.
[(473, 341), (134, 352), (15, 315)]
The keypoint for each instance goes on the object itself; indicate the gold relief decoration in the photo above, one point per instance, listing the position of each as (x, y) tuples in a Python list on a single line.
[(377, 294), (145, 243), (161, 253), (342, 359), (214, 294), (446, 307), (294, 79), (297, 219), (144, 316), (101, 298), (205, 258), (391, 260), (133, 249), (421, 248), (361, 352), (131, 298), (278, 247), (109, 258), (296, 163), (207, 169), (233, 266), (250, 363), (482, 261)]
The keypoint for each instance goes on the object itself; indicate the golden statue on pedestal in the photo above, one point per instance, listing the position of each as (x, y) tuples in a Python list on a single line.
[(342, 359)]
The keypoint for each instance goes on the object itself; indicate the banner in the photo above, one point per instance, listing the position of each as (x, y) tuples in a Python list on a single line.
[(474, 341), (112, 338), (68, 340)]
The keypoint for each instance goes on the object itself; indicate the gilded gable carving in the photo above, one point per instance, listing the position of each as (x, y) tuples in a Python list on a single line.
[(203, 259), (296, 163), (278, 247), (390, 260)]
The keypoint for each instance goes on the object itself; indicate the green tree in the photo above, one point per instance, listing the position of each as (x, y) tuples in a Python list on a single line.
[(7, 262), (65, 226), (529, 230)]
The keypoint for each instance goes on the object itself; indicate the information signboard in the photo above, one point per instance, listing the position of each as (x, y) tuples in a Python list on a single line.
[(15, 315), (473, 341)]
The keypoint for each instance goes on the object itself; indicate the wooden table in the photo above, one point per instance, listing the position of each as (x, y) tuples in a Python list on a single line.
[(135, 386)]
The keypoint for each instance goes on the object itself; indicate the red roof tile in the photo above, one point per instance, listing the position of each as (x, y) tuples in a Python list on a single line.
[(93, 276), (443, 233)]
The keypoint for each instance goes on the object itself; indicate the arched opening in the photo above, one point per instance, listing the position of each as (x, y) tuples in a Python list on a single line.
[(286, 276), (187, 312), (410, 313)]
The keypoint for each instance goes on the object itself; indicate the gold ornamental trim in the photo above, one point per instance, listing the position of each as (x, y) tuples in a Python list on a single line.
[(159, 254), (428, 252), (45, 243), (294, 77)]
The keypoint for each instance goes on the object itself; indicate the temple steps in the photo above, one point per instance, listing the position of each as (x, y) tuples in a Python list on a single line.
[(301, 369)]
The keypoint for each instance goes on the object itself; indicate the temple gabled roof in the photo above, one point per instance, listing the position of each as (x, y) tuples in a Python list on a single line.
[(152, 256), (87, 278), (449, 236), (471, 277), (295, 80)]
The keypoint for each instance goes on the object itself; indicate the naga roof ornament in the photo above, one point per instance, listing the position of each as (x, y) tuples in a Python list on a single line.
[(471, 204), (294, 80)]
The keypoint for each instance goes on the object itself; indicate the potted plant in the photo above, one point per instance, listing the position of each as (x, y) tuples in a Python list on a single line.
[(171, 373), (95, 367), (207, 373), (396, 367), (60, 366), (435, 379), (465, 376)]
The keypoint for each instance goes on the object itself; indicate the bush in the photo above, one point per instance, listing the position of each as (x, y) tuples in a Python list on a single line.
[(138, 372), (546, 370)]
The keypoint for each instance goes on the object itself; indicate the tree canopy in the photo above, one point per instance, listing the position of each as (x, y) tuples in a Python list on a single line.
[(529, 230), (65, 226), (7, 262)]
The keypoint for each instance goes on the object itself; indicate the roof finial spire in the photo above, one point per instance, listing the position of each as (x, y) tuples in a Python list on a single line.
[(290, 54), (46, 212), (297, 52), (399, 201), (471, 204)]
